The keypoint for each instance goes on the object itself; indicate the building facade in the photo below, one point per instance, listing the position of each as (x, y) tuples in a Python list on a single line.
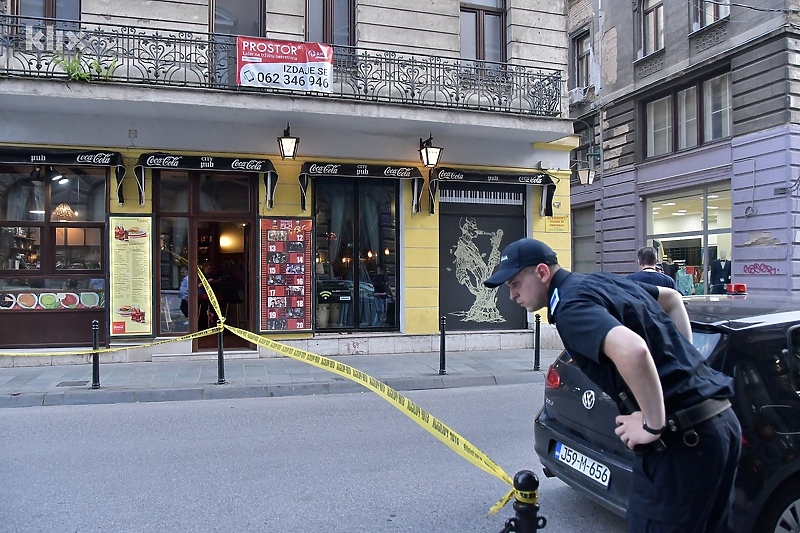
[(687, 116), (140, 146)]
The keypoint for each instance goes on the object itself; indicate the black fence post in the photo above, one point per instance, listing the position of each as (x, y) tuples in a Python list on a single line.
[(95, 355), (442, 322), (537, 352), (220, 358)]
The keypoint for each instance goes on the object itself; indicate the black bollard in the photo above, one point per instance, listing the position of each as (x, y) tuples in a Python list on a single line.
[(95, 355), (220, 359), (442, 322), (537, 352), (526, 504)]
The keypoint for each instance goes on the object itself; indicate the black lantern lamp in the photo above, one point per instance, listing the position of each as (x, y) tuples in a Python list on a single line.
[(288, 144), (428, 153)]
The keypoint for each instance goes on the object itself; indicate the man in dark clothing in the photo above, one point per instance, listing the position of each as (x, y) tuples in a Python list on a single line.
[(635, 339), (383, 293), (647, 270)]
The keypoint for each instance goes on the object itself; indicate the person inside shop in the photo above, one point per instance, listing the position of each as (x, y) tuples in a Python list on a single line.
[(206, 316), (635, 338), (720, 273), (647, 272), (183, 291), (383, 293)]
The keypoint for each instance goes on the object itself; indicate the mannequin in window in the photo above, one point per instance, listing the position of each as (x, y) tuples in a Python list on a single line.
[(720, 273)]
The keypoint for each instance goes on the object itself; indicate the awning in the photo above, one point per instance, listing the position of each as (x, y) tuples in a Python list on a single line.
[(45, 157), (317, 169), (165, 160), (445, 174)]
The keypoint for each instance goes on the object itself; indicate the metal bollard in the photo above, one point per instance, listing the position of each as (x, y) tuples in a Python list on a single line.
[(442, 322), (95, 355), (220, 359), (526, 505), (537, 352)]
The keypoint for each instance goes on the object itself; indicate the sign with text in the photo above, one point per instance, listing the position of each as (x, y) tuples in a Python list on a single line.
[(284, 64), (131, 276), (286, 274)]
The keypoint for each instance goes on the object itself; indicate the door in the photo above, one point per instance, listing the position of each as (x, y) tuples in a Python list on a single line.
[(206, 221)]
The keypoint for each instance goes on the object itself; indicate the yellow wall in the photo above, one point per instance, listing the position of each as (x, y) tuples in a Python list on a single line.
[(419, 234)]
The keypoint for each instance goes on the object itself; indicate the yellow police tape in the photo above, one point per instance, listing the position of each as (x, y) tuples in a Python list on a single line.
[(431, 424), (438, 429)]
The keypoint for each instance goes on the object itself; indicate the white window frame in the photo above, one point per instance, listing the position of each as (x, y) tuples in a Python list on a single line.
[(659, 140)]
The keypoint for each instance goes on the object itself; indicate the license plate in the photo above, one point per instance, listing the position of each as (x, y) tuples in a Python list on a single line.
[(586, 466)]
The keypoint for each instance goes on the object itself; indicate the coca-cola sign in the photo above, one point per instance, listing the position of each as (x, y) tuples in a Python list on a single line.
[(252, 164), (450, 175), (99, 158), (164, 161), (534, 180), (398, 172), (323, 169)]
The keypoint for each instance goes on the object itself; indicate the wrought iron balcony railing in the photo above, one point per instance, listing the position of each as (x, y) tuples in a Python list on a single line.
[(137, 55)]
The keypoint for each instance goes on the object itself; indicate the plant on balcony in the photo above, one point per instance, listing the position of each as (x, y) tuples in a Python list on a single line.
[(76, 70)]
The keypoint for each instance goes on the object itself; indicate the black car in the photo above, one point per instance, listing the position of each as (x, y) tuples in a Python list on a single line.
[(756, 340)]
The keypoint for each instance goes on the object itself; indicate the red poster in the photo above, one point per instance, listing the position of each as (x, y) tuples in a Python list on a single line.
[(286, 260)]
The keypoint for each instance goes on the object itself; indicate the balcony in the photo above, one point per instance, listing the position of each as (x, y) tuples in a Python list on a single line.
[(145, 56)]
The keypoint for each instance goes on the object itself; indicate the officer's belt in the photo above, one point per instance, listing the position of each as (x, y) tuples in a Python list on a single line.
[(686, 419)]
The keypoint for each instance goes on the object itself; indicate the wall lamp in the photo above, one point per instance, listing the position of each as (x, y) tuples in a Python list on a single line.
[(55, 175), (288, 144), (593, 151), (428, 153), (585, 175)]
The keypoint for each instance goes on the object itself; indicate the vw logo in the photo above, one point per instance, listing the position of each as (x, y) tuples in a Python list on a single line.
[(588, 399)]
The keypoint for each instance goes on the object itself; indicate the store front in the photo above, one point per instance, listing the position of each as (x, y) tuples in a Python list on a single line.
[(356, 259), (206, 211), (480, 214), (691, 232), (53, 206)]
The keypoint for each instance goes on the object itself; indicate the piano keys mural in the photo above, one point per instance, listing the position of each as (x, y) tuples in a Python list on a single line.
[(476, 223)]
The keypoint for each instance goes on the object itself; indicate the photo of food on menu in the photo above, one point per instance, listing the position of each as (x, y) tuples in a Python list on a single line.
[(286, 251)]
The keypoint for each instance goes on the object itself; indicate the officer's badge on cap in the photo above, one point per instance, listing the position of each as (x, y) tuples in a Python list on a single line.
[(518, 255)]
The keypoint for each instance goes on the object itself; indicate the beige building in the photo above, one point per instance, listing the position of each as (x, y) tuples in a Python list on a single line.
[(141, 138)]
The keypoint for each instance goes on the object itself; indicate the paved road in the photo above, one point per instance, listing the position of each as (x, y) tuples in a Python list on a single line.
[(344, 462)]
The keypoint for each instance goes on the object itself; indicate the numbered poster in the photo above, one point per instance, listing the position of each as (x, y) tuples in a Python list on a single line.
[(296, 66), (286, 274), (131, 275)]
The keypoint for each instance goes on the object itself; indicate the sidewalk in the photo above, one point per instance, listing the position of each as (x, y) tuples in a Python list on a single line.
[(250, 378)]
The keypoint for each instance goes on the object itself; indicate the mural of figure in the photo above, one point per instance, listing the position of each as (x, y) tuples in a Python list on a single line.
[(472, 267)]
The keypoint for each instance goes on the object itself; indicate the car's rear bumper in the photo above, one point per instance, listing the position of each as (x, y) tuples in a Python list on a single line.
[(614, 497)]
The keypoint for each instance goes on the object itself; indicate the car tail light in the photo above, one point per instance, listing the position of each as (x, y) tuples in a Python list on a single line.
[(553, 380)]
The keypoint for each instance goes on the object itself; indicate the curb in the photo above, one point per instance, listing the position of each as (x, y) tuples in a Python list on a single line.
[(212, 391)]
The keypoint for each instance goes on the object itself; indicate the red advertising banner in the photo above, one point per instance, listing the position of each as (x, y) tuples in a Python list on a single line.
[(284, 64), (286, 262)]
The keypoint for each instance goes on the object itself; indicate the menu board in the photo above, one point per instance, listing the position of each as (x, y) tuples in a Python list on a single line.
[(131, 275), (286, 274)]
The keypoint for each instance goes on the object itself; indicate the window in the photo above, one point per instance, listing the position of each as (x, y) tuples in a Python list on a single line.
[(59, 9), (689, 230), (659, 130), (357, 267), (680, 120), (238, 17), (52, 223), (717, 106), (331, 22), (483, 30), (705, 12), (581, 50), (687, 118), (652, 26)]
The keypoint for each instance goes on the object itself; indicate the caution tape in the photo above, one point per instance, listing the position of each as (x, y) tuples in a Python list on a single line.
[(189, 336), (430, 423)]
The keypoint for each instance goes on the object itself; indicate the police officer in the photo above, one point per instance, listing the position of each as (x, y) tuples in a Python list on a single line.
[(634, 340)]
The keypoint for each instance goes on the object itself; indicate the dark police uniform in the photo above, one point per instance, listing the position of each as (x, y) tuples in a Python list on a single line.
[(691, 480), (653, 277)]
